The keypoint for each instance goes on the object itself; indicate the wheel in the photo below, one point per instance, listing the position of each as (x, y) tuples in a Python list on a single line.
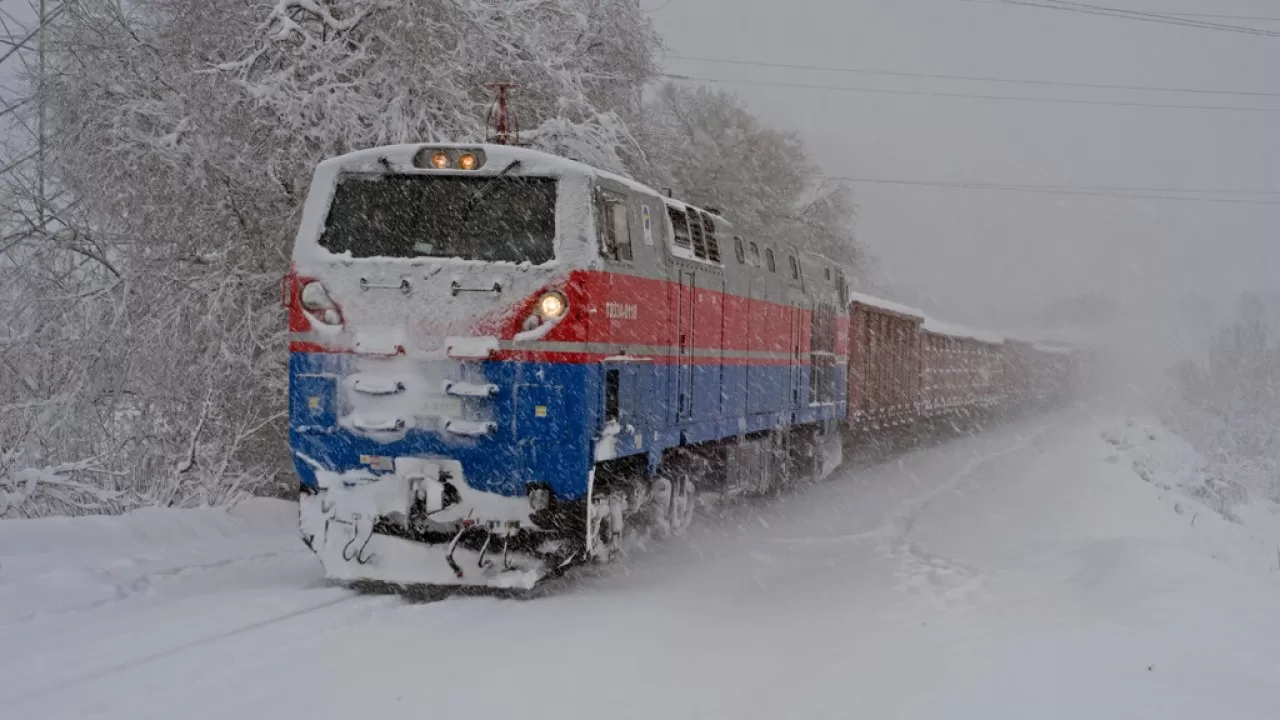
[(606, 527), (660, 507), (683, 502)]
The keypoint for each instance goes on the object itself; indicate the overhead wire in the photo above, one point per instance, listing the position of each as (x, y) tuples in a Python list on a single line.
[(1223, 16), (1111, 188), (1269, 18), (1094, 191), (974, 96), (1160, 16), (967, 78), (1105, 11)]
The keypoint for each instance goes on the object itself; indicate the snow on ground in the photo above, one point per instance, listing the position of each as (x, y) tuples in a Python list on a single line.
[(1065, 567)]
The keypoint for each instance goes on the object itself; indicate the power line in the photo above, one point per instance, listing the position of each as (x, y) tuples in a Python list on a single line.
[(1223, 16), (1271, 18), (1160, 16), (973, 78), (1136, 15), (1096, 191), (1115, 188), (973, 96)]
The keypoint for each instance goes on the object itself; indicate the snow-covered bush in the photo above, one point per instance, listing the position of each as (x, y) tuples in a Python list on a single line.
[(1228, 404)]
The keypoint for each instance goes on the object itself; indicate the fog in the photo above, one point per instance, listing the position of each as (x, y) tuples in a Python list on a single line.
[(1173, 268)]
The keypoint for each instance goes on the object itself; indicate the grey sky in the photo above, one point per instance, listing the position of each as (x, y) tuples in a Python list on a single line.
[(988, 256)]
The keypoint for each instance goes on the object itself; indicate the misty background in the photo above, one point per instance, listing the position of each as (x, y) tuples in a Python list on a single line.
[(1171, 270)]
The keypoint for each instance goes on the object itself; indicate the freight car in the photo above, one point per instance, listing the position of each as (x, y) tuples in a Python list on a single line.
[(906, 369), (504, 363)]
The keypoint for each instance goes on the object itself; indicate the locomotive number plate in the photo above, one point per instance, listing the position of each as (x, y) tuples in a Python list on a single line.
[(441, 406)]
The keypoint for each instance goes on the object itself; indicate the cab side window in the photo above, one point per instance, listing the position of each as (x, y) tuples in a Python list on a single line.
[(768, 258), (615, 232)]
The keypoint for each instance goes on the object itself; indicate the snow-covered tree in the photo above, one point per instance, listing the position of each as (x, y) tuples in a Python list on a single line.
[(342, 75), (143, 352), (707, 146)]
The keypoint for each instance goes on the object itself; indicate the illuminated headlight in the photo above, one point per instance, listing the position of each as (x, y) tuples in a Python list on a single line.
[(551, 305), (539, 499), (433, 158)]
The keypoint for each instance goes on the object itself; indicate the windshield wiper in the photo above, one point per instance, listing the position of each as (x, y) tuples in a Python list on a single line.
[(484, 189)]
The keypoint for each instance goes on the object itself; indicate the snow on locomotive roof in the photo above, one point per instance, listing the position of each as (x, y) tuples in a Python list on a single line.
[(939, 327), (497, 156), (1052, 349), (881, 303), (532, 162)]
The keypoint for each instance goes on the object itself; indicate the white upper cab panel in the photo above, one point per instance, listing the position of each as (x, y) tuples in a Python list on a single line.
[(448, 203)]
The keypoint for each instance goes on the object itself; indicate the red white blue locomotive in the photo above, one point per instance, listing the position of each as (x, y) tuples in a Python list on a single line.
[(503, 363)]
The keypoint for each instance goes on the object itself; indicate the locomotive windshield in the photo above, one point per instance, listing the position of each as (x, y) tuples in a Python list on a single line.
[(489, 219)]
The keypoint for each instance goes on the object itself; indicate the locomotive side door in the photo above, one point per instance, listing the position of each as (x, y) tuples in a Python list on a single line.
[(757, 375), (797, 323), (796, 302), (685, 302)]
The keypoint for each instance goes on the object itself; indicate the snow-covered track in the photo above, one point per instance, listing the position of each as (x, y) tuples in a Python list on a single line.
[(188, 646)]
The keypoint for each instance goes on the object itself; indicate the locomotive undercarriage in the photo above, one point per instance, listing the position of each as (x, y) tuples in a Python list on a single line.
[(629, 508), (422, 527), (398, 530)]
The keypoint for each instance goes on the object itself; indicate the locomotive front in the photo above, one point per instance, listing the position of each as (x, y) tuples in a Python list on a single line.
[(438, 422)]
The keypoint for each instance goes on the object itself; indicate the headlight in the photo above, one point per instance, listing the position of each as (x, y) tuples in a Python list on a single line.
[(314, 297), (467, 161), (440, 160), (551, 305)]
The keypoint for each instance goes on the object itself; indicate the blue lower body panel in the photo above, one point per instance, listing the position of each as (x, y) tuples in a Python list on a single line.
[(538, 427), (545, 417)]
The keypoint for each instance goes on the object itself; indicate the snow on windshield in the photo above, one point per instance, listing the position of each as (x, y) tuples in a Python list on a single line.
[(489, 219)]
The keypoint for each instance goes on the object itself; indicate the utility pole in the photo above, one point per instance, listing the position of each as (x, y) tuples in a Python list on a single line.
[(40, 90)]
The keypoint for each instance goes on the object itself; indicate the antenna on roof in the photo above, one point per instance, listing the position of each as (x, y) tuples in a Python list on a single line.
[(500, 119)]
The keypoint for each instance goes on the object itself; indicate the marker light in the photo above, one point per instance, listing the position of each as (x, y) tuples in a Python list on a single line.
[(551, 305), (467, 161), (440, 160)]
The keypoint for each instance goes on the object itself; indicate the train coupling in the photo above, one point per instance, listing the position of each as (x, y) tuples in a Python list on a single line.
[(419, 527)]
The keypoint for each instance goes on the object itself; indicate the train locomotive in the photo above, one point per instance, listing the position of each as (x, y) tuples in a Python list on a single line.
[(504, 363)]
